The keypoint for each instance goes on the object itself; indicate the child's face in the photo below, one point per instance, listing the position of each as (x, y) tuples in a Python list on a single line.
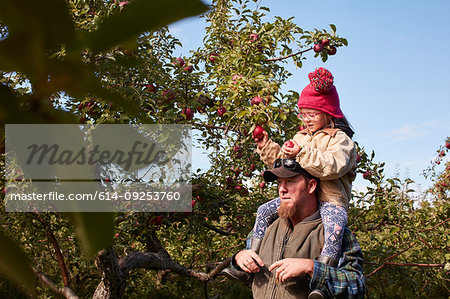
[(314, 119)]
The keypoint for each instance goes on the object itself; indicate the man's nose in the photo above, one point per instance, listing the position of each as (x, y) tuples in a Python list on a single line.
[(282, 187)]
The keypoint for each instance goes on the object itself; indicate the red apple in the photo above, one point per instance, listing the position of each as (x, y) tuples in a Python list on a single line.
[(156, 220), (212, 57), (289, 144), (318, 48), (358, 158), (179, 62), (188, 68), (221, 111), (193, 202), (235, 78), (262, 185), (442, 154), (168, 95), (237, 148), (331, 50), (367, 175), (150, 88), (252, 167), (188, 113), (257, 100), (325, 42), (258, 132), (117, 235), (447, 145), (254, 37)]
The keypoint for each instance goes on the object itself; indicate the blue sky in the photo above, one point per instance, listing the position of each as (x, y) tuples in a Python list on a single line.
[(393, 79)]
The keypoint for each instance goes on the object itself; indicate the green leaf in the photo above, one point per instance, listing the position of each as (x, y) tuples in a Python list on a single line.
[(14, 264), (242, 114), (49, 24), (333, 27), (95, 230), (138, 17)]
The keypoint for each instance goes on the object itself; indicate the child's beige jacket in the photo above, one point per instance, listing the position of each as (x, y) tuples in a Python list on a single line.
[(328, 154)]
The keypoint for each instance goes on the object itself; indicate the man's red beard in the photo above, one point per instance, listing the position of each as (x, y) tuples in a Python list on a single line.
[(285, 210)]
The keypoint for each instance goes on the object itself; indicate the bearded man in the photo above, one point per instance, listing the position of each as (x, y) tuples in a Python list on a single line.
[(286, 265)]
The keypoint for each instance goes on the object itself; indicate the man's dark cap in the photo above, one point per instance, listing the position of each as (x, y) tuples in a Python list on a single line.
[(285, 168)]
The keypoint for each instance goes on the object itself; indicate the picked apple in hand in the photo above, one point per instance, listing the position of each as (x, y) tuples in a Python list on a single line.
[(258, 132), (289, 144)]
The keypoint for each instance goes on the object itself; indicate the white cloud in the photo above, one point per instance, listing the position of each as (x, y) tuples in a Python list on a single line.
[(413, 131)]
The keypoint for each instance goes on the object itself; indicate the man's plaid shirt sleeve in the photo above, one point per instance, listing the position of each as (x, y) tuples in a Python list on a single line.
[(347, 280)]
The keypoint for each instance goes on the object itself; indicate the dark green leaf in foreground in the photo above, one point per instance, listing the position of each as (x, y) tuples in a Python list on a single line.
[(140, 16), (15, 264)]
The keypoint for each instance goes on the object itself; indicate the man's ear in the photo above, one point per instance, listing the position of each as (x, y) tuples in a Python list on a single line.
[(312, 186)]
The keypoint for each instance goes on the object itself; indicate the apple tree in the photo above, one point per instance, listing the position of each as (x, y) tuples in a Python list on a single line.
[(402, 231), (113, 62)]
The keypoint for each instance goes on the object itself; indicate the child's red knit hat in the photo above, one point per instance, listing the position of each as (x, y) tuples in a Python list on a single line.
[(321, 94)]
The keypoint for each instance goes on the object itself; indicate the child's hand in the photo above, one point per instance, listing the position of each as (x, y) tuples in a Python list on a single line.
[(291, 152), (261, 142)]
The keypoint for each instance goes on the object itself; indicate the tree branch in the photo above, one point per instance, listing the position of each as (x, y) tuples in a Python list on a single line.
[(66, 292), (162, 261), (403, 265), (398, 253), (62, 265), (208, 126), (217, 230), (448, 219), (415, 265), (290, 55)]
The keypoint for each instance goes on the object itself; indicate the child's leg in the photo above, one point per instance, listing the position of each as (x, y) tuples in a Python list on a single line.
[(334, 219), (265, 215)]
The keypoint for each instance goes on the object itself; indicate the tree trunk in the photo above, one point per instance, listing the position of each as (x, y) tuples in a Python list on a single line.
[(113, 281)]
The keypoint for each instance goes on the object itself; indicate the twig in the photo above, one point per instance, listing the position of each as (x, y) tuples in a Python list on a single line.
[(376, 270), (428, 245), (428, 229), (414, 265), (66, 292), (423, 288), (398, 253), (9, 77), (217, 230), (208, 126), (290, 55), (403, 265)]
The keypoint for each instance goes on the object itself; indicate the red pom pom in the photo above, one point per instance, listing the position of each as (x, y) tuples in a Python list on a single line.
[(321, 80)]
